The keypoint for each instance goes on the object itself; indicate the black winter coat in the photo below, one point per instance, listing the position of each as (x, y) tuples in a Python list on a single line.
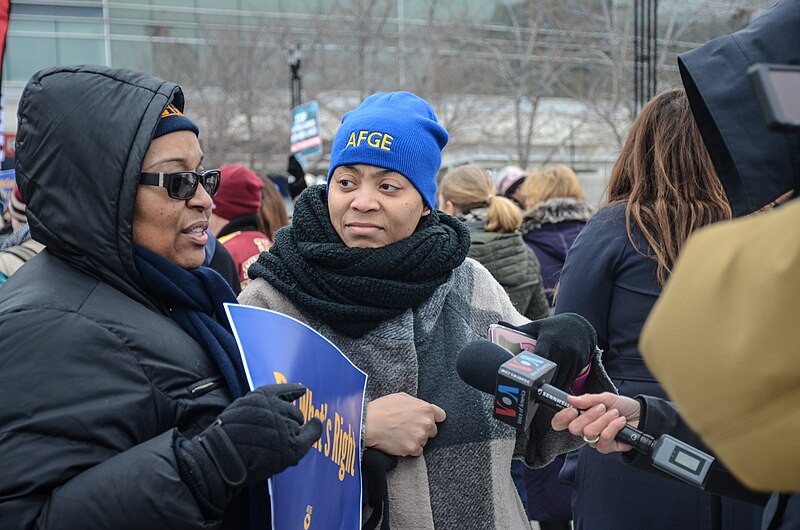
[(95, 377), (756, 165)]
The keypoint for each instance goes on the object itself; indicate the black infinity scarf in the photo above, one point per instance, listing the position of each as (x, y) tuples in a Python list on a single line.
[(353, 289)]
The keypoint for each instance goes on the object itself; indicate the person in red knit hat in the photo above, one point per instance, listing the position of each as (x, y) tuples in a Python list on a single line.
[(235, 219)]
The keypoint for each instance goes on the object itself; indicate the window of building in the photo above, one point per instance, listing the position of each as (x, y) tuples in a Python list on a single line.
[(39, 53), (42, 35)]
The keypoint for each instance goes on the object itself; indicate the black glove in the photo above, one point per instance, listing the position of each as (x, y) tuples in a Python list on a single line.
[(375, 464), (258, 435), (566, 339)]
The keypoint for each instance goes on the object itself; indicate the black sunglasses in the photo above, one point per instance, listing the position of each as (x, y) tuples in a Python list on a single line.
[(182, 185)]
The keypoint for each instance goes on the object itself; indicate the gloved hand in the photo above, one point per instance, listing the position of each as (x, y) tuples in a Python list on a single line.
[(258, 435), (375, 464), (566, 339)]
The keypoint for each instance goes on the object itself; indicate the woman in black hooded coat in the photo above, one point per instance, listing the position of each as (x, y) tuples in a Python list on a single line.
[(116, 356)]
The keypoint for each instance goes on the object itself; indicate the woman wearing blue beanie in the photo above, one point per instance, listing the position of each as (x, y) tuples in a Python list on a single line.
[(371, 264)]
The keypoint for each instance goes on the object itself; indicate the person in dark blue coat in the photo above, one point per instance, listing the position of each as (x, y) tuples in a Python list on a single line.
[(662, 188), (556, 210)]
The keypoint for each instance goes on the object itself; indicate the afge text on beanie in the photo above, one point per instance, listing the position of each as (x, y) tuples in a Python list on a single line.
[(397, 131), (239, 192)]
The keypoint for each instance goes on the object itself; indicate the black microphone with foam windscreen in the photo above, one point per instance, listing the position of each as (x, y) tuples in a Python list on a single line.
[(511, 379), (520, 383)]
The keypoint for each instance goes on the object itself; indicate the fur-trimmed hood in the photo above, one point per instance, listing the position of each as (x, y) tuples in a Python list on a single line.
[(555, 210)]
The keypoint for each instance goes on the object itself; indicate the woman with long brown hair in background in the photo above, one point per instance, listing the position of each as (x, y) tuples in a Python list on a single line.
[(662, 188)]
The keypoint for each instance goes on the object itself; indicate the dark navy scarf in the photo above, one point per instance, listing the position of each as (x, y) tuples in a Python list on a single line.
[(195, 298)]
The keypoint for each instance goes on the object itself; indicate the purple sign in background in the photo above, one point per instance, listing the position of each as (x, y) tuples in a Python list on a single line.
[(323, 491)]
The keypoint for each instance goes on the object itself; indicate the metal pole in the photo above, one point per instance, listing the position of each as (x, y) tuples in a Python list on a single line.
[(651, 81), (645, 53), (295, 63), (636, 57), (106, 34), (401, 31), (654, 55), (645, 69)]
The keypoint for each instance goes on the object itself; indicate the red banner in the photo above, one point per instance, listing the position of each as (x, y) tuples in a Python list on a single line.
[(9, 145), (5, 9), (5, 12)]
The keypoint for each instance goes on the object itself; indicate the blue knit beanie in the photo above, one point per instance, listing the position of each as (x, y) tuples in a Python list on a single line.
[(172, 120), (397, 131)]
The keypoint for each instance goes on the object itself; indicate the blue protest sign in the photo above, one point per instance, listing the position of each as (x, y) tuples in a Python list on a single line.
[(7, 182), (306, 139), (323, 491)]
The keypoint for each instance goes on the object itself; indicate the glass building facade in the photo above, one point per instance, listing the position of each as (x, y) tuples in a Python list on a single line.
[(126, 33), (135, 34), (465, 56)]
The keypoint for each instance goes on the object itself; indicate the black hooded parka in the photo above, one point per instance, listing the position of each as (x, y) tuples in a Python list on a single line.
[(95, 377)]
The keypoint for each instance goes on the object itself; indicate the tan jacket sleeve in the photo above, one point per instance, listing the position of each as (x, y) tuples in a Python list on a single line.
[(724, 340)]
